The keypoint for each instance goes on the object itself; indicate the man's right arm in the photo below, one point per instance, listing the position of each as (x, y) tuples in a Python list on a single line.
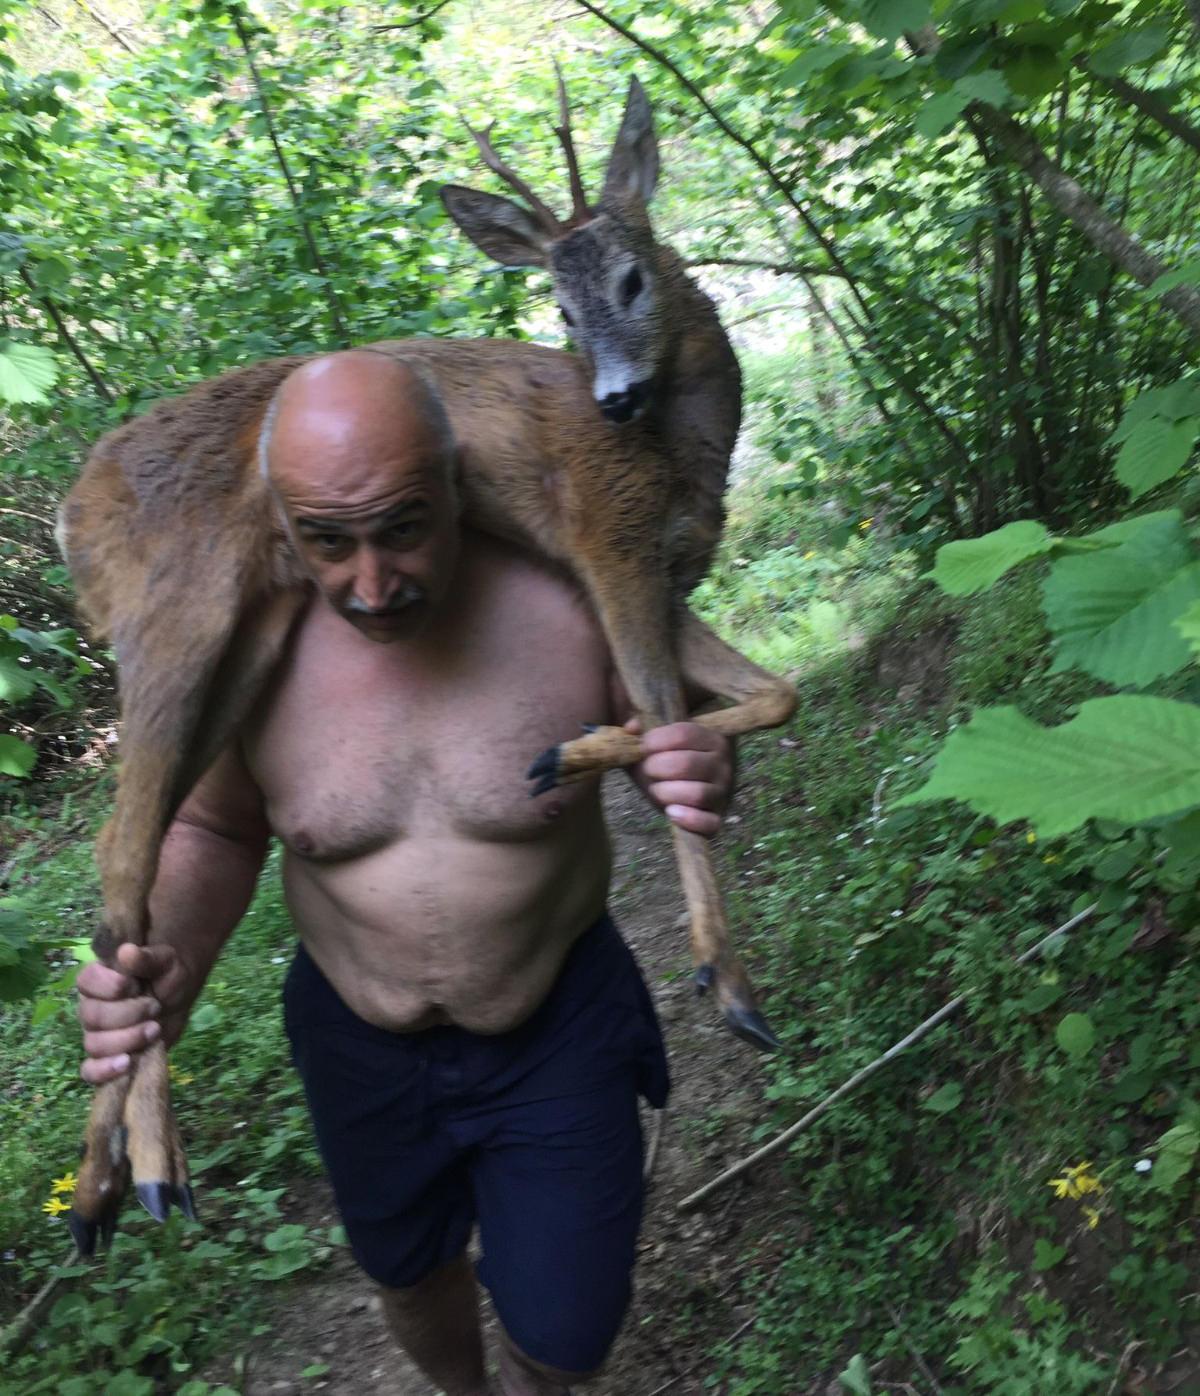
[(210, 861)]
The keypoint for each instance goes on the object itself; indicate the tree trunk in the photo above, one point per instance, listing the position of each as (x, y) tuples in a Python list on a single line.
[(1148, 103)]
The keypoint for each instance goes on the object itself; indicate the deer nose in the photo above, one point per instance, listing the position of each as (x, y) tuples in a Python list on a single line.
[(624, 406)]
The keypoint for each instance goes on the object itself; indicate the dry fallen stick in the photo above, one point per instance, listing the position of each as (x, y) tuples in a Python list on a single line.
[(15, 1336), (947, 1009)]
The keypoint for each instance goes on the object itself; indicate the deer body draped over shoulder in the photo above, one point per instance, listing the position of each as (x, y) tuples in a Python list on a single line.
[(611, 462)]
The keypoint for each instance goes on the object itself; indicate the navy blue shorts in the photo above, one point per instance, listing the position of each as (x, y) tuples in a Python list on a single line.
[(534, 1134)]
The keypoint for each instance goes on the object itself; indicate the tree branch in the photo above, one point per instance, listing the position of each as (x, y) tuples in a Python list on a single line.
[(335, 309), (67, 337), (411, 23), (1148, 103), (1070, 198), (97, 18)]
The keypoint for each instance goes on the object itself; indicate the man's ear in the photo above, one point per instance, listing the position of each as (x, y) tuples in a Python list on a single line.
[(499, 227), (633, 164)]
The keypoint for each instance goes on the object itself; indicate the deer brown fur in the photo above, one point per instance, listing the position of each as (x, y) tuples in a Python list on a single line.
[(179, 557)]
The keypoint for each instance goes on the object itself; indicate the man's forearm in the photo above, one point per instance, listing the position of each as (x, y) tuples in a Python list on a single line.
[(204, 885)]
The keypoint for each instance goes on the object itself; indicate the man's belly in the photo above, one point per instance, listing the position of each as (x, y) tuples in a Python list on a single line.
[(438, 929)]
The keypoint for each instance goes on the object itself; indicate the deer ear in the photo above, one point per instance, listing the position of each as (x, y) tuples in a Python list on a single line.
[(633, 164), (502, 229)]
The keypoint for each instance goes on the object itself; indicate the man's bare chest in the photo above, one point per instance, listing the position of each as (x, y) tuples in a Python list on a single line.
[(362, 745)]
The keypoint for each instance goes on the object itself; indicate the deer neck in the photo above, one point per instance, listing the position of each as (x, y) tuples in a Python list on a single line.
[(701, 395), (700, 410)]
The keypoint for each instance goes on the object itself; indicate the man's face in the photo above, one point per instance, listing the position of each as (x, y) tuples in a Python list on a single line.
[(382, 550)]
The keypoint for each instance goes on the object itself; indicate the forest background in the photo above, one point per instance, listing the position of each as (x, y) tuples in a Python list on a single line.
[(955, 245)]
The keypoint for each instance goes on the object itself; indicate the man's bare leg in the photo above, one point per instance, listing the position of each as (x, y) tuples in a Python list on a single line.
[(436, 1322), (522, 1376)]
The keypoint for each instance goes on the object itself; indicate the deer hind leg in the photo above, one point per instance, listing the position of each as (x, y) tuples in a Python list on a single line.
[(759, 699), (132, 1128), (635, 615)]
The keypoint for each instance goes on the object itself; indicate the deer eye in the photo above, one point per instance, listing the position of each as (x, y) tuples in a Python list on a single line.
[(631, 286)]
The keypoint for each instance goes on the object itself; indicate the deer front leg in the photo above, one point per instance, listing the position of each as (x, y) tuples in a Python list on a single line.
[(637, 628), (759, 700)]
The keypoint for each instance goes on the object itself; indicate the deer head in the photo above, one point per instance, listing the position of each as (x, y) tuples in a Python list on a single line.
[(609, 273)]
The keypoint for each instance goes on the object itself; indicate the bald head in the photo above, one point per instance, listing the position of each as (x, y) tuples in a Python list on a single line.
[(359, 454), (340, 419)]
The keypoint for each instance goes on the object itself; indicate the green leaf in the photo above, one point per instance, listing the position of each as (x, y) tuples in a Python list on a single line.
[(1127, 758), (1113, 613), (17, 681), (974, 564), (1177, 1151), (17, 758), (1046, 1254), (857, 1376), (988, 86), (1188, 625), (1076, 1035), (1154, 451), (1174, 401), (1130, 50), (945, 1098), (940, 113), (26, 372), (890, 19), (1186, 275)]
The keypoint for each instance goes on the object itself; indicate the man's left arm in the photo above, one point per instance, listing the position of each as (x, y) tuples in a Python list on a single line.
[(688, 770)]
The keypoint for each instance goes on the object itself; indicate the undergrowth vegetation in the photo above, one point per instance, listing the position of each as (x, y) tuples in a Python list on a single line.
[(1013, 1198)]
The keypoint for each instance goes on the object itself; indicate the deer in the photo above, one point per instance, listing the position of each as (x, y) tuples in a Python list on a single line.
[(610, 462)]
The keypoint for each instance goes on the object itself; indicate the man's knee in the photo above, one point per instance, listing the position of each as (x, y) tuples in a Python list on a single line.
[(560, 1378)]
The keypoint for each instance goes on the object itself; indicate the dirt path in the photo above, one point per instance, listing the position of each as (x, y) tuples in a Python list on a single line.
[(688, 1287)]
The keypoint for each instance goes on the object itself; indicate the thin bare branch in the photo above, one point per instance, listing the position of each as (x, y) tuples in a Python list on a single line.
[(67, 337), (97, 18), (694, 1199), (487, 153), (412, 23), (579, 204), (335, 308)]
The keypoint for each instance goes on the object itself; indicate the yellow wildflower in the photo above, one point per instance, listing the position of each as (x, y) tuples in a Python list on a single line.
[(1031, 837), (181, 1078), (809, 555), (64, 1184), (1050, 858), (866, 524), (1076, 1182), (54, 1205), (1093, 1218)]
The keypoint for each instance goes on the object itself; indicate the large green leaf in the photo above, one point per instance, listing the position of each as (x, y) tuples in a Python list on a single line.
[(1131, 49), (16, 681), (1154, 451), (974, 564), (891, 18), (1112, 613), (17, 758), (27, 371), (1128, 758)]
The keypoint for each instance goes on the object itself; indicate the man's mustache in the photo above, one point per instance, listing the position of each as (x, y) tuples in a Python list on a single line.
[(409, 595)]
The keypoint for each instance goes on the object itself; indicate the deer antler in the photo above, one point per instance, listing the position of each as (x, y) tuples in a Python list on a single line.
[(579, 207), (483, 139)]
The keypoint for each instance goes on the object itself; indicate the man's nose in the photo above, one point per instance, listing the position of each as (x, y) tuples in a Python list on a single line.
[(373, 581)]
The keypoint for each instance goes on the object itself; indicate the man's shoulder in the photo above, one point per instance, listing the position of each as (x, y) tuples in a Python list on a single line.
[(517, 574)]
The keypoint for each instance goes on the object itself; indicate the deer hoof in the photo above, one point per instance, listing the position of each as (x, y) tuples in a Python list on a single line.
[(83, 1233), (545, 771), (157, 1198), (704, 977), (750, 1025)]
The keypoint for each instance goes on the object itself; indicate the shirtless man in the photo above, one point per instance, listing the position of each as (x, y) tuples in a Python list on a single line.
[(471, 1031)]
